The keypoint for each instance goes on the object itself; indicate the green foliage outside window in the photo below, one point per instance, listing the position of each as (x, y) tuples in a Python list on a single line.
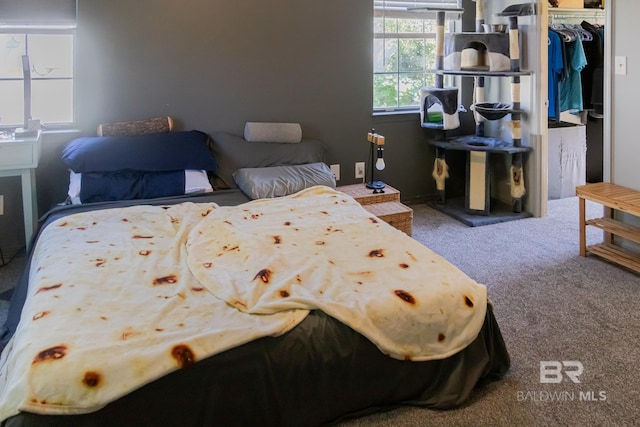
[(404, 54)]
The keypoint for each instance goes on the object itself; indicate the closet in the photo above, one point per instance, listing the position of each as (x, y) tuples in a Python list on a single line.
[(576, 100)]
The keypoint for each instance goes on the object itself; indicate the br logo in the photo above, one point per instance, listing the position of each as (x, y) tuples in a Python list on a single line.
[(552, 371)]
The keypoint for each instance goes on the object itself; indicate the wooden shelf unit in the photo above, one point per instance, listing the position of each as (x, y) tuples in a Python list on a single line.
[(386, 206), (613, 198)]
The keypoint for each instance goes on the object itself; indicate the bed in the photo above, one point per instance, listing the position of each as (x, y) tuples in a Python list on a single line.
[(223, 308)]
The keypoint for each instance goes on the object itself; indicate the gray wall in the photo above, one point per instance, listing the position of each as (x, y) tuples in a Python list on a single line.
[(214, 65), (625, 93), (625, 146)]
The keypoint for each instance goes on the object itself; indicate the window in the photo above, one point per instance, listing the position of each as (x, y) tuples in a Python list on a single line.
[(43, 31), (404, 52)]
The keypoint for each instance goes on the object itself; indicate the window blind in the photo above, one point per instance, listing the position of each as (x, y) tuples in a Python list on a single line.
[(38, 12), (402, 8)]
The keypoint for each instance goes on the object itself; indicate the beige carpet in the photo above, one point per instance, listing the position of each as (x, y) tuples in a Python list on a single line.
[(551, 305)]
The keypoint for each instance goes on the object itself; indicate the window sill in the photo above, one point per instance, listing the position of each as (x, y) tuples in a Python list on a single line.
[(395, 112), (44, 132), (59, 131), (396, 116)]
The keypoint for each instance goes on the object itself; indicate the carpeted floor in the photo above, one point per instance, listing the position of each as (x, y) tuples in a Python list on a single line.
[(551, 305)]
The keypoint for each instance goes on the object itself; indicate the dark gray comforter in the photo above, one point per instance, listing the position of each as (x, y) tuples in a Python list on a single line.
[(318, 373)]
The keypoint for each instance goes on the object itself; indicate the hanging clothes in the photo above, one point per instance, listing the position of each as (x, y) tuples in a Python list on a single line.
[(593, 73), (571, 98), (583, 61), (555, 73)]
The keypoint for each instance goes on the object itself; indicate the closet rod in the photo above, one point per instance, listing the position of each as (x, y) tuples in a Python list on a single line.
[(591, 15), (577, 13)]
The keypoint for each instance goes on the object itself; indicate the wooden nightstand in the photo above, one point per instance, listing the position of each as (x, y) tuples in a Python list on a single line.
[(386, 206), (20, 157)]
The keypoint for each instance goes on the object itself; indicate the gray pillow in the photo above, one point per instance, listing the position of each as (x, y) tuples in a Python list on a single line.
[(276, 181), (234, 152)]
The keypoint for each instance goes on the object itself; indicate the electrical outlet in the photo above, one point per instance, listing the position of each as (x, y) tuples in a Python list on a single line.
[(360, 170), (336, 171), (1, 204)]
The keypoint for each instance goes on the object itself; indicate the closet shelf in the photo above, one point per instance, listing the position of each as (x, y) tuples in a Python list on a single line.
[(583, 11), (575, 14)]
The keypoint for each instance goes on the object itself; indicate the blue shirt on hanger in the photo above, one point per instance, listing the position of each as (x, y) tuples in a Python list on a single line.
[(555, 68), (571, 86)]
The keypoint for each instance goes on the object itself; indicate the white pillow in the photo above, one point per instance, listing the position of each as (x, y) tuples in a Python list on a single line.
[(195, 180), (75, 184)]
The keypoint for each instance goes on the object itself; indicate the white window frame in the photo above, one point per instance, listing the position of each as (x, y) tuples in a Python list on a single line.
[(394, 9), (45, 30), (43, 17)]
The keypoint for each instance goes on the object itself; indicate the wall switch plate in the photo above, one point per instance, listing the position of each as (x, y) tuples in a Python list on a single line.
[(360, 170), (621, 65), (336, 171), (1, 204)]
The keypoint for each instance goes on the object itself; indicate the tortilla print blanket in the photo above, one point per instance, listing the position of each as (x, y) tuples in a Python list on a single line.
[(120, 297)]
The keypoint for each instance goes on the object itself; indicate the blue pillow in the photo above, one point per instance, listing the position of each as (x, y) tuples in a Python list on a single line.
[(169, 151), (129, 185)]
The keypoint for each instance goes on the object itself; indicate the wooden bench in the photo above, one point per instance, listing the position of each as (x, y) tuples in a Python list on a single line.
[(613, 198)]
